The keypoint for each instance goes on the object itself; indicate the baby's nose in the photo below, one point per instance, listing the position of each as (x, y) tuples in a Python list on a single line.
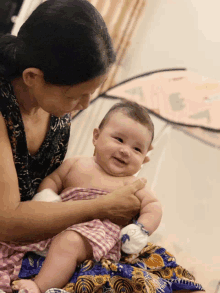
[(125, 151)]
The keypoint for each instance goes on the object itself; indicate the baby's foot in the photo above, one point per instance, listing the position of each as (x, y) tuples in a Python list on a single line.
[(28, 286)]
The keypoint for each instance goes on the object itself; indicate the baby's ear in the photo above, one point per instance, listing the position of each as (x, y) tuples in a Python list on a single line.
[(150, 148), (146, 160), (96, 133)]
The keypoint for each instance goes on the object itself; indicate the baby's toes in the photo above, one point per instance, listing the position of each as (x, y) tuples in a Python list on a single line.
[(19, 287), (25, 286), (15, 285)]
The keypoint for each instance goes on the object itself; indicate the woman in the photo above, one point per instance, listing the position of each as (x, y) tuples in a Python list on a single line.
[(61, 55)]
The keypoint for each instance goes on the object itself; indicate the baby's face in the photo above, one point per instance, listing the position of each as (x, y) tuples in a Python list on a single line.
[(121, 146)]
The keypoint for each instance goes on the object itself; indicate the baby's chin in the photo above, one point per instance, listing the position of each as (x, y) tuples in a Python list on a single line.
[(115, 173), (113, 170)]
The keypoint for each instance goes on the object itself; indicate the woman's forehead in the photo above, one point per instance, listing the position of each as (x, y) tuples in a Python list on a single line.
[(88, 86)]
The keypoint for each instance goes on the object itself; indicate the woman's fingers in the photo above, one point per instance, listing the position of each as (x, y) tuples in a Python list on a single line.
[(137, 185), (121, 205)]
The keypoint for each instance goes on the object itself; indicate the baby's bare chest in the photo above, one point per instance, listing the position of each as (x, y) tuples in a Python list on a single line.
[(85, 175)]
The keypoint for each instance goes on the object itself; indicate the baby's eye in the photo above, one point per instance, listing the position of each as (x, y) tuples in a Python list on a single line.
[(137, 149), (119, 139)]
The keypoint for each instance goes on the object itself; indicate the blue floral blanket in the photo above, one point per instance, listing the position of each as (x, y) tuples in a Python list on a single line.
[(153, 270)]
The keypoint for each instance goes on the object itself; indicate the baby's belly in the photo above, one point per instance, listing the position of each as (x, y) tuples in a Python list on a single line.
[(107, 186), (107, 183)]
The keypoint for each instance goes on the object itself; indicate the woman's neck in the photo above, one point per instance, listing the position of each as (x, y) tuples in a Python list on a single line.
[(26, 101)]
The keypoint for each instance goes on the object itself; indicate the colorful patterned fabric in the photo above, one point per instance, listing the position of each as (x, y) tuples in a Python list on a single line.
[(31, 170), (154, 270)]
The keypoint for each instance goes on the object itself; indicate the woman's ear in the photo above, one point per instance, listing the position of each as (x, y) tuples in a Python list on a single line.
[(31, 76), (96, 133)]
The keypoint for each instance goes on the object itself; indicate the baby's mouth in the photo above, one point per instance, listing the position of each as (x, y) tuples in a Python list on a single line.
[(121, 161)]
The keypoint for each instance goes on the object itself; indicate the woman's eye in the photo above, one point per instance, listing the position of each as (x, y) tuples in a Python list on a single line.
[(73, 98), (119, 139)]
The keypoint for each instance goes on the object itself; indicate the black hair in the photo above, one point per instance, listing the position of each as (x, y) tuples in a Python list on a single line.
[(67, 39), (132, 110)]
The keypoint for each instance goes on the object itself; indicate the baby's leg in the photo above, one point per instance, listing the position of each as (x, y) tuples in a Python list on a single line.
[(67, 250)]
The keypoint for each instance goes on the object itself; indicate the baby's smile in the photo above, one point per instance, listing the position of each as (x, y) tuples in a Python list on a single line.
[(120, 161)]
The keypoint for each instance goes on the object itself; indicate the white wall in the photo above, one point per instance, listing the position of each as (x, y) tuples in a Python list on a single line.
[(176, 33), (183, 33)]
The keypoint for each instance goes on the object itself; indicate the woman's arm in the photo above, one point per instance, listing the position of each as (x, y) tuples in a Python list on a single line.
[(33, 221)]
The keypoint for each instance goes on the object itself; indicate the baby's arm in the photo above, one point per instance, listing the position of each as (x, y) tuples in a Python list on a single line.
[(56, 179), (151, 209), (134, 237)]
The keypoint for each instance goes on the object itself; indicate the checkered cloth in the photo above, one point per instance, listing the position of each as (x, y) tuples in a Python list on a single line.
[(102, 235)]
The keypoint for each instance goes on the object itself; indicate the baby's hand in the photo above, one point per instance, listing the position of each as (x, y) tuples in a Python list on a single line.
[(47, 195), (133, 238)]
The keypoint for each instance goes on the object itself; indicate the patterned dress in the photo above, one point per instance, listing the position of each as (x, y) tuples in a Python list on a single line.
[(32, 170), (153, 270)]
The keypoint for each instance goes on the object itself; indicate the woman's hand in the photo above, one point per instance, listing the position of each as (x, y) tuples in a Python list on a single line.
[(121, 205)]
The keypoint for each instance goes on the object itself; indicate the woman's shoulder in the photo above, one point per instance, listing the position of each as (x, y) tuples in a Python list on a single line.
[(3, 128), (8, 102), (9, 181), (5, 145)]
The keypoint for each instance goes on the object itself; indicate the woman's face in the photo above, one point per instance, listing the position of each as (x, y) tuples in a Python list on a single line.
[(59, 100)]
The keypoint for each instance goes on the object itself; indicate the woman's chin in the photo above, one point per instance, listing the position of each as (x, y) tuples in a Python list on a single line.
[(59, 114)]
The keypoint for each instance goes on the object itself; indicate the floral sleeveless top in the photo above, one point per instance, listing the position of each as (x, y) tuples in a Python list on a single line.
[(31, 170)]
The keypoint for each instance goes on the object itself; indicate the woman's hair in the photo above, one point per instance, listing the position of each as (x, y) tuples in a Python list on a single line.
[(67, 39), (131, 110)]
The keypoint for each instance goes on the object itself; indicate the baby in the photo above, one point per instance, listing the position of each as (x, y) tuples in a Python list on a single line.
[(121, 143)]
